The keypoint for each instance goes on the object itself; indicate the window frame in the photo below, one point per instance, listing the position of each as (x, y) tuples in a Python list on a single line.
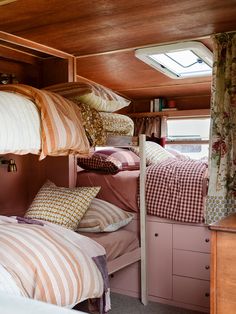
[(185, 142)]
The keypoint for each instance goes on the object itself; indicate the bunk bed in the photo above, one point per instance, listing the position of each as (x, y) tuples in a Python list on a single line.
[(89, 138), (58, 129)]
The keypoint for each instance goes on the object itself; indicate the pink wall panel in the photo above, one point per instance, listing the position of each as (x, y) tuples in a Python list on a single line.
[(17, 189), (13, 186)]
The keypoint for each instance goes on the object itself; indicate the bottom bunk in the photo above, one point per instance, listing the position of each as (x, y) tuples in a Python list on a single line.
[(178, 241)]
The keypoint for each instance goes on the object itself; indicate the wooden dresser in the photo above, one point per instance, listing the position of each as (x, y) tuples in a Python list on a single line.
[(223, 266)]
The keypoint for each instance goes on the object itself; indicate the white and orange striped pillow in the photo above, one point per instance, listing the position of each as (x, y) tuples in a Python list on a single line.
[(60, 205), (103, 217)]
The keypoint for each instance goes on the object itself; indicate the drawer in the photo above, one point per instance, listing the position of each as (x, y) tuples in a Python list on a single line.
[(191, 238), (191, 264), (191, 291)]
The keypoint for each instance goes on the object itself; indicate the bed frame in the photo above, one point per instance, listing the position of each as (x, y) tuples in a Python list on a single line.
[(31, 63), (141, 252)]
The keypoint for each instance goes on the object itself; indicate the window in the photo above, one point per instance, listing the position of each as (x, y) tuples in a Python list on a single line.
[(189, 136), (179, 60)]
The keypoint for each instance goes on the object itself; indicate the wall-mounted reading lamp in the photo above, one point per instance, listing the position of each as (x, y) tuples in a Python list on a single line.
[(11, 164)]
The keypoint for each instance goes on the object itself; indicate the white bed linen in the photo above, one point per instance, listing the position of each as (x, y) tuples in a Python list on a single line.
[(19, 125), (19, 305), (7, 283)]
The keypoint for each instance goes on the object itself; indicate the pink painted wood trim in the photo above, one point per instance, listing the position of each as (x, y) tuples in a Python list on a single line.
[(124, 261)]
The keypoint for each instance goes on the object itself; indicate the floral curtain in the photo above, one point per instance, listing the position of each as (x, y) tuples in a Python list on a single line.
[(222, 168)]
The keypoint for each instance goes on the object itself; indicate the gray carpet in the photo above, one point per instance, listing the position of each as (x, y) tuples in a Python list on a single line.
[(121, 304)]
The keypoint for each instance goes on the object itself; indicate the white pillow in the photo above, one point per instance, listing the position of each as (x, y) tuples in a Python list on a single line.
[(103, 217)]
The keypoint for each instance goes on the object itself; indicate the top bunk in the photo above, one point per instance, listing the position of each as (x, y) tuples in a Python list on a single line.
[(60, 120)]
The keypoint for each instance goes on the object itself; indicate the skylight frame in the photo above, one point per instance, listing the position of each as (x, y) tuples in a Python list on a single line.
[(196, 47)]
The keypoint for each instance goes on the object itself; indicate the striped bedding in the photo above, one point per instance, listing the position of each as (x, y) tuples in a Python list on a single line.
[(61, 132), (50, 263), (19, 125)]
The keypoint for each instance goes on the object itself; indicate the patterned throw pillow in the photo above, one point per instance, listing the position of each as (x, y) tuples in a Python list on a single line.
[(62, 206), (155, 153), (100, 163), (93, 124), (128, 159), (104, 217), (92, 94)]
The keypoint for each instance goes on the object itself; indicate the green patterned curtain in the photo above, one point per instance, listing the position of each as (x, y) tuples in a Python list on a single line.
[(222, 183)]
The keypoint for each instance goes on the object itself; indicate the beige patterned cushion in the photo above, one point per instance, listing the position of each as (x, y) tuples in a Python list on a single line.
[(104, 217), (93, 124), (92, 94), (155, 153), (62, 206), (117, 124)]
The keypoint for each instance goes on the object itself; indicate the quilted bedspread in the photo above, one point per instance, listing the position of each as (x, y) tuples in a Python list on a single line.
[(175, 190)]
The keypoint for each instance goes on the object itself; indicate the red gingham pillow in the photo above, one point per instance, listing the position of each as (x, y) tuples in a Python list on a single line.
[(128, 159), (101, 163)]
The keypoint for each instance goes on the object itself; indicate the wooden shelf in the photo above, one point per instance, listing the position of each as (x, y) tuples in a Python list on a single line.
[(172, 113)]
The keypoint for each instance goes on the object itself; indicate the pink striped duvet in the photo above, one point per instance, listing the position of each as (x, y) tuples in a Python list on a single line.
[(62, 131), (50, 263)]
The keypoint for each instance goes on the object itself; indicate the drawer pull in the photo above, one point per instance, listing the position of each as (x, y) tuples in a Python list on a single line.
[(156, 234), (207, 294), (207, 240), (207, 267)]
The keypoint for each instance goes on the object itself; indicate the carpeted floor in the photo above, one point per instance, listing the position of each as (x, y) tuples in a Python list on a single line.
[(121, 304)]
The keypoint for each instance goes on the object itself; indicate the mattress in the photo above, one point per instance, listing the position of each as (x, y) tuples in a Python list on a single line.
[(120, 189), (115, 243)]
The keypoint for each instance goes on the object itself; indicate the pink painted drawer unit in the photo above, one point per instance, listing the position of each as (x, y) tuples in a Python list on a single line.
[(191, 264), (191, 291), (191, 238)]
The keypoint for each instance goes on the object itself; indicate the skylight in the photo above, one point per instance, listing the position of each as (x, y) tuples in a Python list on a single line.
[(181, 60)]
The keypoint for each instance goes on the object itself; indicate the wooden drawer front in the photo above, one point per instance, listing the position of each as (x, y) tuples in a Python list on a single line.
[(191, 238), (191, 291), (191, 264)]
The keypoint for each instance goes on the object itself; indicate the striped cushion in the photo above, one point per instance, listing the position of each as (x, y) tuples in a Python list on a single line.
[(62, 206), (92, 94), (104, 217), (101, 163), (128, 159), (155, 153)]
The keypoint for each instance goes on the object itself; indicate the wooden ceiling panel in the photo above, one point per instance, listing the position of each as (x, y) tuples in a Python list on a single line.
[(104, 34), (123, 72), (84, 27)]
